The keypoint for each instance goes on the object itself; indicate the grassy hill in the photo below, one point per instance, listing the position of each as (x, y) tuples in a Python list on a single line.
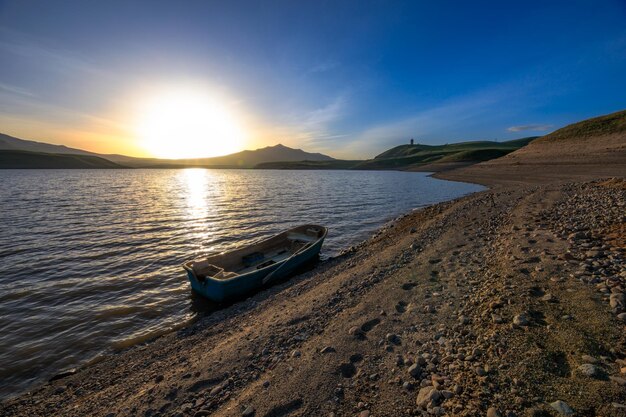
[(11, 159), (610, 124), (412, 156)]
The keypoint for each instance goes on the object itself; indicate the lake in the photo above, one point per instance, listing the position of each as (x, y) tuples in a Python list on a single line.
[(90, 259)]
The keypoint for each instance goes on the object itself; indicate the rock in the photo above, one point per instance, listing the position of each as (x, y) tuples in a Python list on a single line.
[(202, 413), (328, 349), (493, 412), (618, 380), (364, 413), (356, 331), (622, 316), (447, 394), (248, 412), (158, 378), (589, 359), (415, 371), (464, 320), (392, 338), (216, 390), (520, 320), (617, 301), (497, 319), (296, 354), (428, 396), (562, 408), (591, 370), (549, 298)]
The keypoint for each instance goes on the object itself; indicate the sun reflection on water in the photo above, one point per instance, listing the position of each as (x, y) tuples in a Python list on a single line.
[(196, 196)]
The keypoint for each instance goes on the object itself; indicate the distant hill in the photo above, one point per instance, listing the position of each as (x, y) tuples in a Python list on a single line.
[(333, 164), (11, 159), (419, 156), (249, 159), (409, 150), (415, 157), (15, 144), (244, 159)]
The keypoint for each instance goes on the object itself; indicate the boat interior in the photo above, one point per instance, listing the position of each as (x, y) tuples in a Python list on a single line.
[(257, 256)]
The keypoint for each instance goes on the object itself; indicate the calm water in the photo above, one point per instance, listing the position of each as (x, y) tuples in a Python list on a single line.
[(90, 260)]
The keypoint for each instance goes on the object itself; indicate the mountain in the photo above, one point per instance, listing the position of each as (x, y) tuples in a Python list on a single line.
[(249, 159), (14, 144), (244, 159), (15, 159)]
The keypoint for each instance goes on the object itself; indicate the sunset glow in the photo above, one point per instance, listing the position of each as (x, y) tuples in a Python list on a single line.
[(184, 124)]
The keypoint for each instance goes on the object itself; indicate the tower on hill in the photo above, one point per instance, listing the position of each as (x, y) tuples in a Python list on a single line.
[(411, 141)]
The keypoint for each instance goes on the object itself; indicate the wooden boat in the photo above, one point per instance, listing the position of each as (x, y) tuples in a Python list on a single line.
[(240, 271)]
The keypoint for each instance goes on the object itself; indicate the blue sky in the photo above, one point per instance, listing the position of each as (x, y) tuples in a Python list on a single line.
[(346, 78)]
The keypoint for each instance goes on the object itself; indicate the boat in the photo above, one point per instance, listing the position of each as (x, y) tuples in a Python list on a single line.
[(231, 274)]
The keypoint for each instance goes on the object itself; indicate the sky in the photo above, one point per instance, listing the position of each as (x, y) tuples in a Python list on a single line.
[(346, 78)]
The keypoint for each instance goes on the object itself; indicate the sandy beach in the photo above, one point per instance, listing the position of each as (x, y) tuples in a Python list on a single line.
[(506, 302)]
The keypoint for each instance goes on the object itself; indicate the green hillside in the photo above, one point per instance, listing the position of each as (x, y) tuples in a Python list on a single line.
[(407, 156), (610, 124), (11, 159), (408, 150)]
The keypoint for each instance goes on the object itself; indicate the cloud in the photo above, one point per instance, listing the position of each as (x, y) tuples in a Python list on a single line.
[(47, 55), (15, 90), (534, 127), (449, 116)]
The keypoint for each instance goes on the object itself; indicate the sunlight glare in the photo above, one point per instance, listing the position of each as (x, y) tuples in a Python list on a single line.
[(187, 124)]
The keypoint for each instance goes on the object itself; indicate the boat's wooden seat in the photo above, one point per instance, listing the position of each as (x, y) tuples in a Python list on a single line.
[(204, 269)]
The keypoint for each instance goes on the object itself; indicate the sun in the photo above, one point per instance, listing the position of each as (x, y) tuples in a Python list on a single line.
[(187, 124)]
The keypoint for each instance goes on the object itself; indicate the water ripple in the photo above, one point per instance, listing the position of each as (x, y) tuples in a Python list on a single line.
[(90, 260)]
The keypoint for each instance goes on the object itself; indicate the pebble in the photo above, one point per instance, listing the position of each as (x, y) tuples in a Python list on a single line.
[(428, 396), (328, 349), (520, 320), (248, 412), (415, 370), (562, 408), (493, 412), (591, 370)]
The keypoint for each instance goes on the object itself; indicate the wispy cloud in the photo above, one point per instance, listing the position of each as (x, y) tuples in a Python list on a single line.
[(533, 127), (314, 127), (452, 115), (15, 90), (47, 55)]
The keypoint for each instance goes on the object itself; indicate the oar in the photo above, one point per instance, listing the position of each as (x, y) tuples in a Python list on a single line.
[(273, 275)]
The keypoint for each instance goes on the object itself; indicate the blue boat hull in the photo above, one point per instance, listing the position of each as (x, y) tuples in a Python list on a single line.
[(219, 290)]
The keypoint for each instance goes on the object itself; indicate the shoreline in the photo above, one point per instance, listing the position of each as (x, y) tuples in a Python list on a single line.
[(283, 333), (120, 346)]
